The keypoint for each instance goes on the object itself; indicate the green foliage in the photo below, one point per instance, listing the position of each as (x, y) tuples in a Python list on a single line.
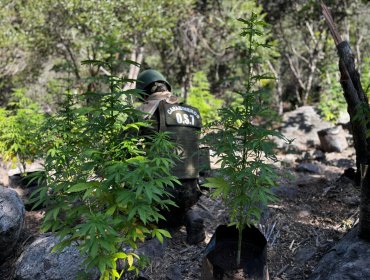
[(37, 35), (19, 126), (180, 38), (243, 147), (332, 102), (201, 98), (365, 75), (104, 182)]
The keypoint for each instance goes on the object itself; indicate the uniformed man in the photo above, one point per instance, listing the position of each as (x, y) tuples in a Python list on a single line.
[(184, 123)]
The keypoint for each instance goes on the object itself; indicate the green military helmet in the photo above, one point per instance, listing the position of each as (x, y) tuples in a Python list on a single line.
[(148, 77)]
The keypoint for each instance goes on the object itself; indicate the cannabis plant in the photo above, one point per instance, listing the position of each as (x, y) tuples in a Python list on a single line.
[(244, 148), (19, 126), (104, 182)]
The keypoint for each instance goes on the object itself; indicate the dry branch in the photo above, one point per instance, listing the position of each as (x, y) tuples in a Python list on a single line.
[(333, 29)]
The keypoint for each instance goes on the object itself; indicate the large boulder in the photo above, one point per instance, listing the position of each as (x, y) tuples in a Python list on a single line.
[(349, 259), (38, 262), (11, 221), (302, 125)]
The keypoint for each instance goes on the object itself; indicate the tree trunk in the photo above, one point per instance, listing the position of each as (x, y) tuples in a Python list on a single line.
[(364, 227), (279, 86), (137, 56), (356, 101), (186, 83), (358, 109)]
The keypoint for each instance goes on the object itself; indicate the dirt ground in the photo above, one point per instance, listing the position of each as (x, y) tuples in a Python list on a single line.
[(314, 211)]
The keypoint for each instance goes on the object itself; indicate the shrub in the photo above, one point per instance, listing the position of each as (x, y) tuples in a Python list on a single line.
[(201, 98), (332, 102)]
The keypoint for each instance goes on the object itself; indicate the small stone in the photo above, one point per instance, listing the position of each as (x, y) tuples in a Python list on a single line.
[(305, 253), (333, 139), (308, 167), (174, 273), (152, 248), (289, 159), (303, 214), (318, 155), (352, 200), (350, 173), (284, 191)]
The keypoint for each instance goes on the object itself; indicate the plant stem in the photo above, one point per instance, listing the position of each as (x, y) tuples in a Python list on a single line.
[(245, 134), (238, 255)]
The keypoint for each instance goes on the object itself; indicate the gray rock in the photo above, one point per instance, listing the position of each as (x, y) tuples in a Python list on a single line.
[(343, 118), (174, 273), (32, 167), (194, 227), (318, 155), (153, 248), (151, 253), (333, 139), (352, 201), (349, 259), (11, 221), (308, 167), (284, 191), (203, 213), (304, 213), (301, 125), (38, 262), (305, 253)]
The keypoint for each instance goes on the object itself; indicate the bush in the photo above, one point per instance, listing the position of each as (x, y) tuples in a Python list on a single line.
[(201, 98), (332, 102)]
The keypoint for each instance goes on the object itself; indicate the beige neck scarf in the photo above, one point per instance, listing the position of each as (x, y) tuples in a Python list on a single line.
[(152, 102)]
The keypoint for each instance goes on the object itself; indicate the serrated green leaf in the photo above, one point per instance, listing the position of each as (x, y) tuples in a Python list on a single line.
[(82, 186)]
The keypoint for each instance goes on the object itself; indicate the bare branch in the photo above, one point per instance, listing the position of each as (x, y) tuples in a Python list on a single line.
[(295, 71), (329, 20), (310, 30)]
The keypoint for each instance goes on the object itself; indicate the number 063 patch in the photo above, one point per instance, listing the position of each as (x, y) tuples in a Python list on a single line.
[(182, 115)]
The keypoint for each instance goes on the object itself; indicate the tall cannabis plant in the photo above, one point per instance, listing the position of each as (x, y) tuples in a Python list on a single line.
[(105, 183), (243, 147)]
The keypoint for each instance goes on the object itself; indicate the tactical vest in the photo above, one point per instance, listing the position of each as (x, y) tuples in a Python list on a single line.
[(184, 124)]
